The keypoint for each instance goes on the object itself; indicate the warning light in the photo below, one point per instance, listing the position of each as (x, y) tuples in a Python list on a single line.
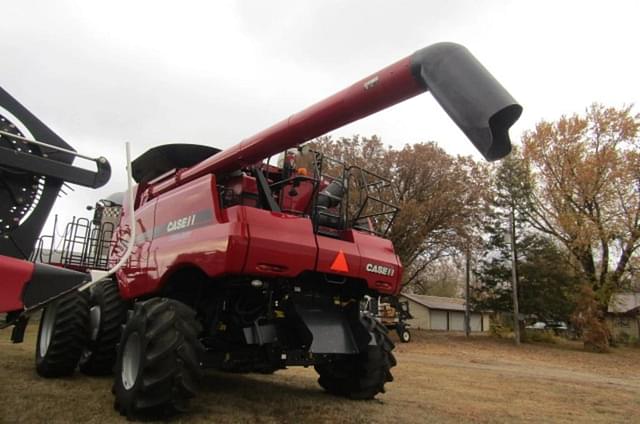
[(340, 263)]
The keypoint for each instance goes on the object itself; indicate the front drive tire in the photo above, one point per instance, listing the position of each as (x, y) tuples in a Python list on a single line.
[(107, 314), (158, 363), (62, 335), (361, 376)]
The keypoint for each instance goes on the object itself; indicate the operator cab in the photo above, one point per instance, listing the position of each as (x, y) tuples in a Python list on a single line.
[(305, 182), (301, 182)]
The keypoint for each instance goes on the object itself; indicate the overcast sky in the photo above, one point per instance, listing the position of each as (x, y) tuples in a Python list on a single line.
[(102, 73)]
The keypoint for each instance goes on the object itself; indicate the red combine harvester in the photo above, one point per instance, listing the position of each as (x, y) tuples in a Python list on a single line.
[(246, 263)]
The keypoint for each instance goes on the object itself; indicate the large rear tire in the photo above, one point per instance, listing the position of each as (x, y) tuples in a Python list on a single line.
[(107, 314), (360, 376), (62, 335), (158, 363)]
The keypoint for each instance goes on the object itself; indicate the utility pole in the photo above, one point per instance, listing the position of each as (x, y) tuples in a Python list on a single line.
[(467, 314), (514, 276)]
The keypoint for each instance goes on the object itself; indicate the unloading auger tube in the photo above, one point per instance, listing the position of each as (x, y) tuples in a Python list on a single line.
[(470, 95)]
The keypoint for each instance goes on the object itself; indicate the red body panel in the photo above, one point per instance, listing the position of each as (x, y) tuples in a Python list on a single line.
[(187, 227), (16, 274), (328, 251), (279, 244), (378, 251)]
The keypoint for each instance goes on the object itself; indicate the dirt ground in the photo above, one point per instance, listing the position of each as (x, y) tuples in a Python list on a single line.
[(438, 379)]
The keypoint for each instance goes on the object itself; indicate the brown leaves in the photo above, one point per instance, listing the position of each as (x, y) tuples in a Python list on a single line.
[(587, 172)]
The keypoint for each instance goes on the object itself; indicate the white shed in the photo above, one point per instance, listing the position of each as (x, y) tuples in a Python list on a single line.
[(442, 313), (623, 315)]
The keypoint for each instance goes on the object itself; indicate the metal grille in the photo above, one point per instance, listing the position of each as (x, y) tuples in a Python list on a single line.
[(85, 244)]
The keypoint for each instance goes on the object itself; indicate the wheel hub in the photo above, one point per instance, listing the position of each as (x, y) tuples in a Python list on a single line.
[(131, 361), (48, 324), (95, 314)]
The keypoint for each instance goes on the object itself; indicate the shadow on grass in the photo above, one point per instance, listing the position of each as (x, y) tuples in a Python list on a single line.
[(282, 398), (215, 382)]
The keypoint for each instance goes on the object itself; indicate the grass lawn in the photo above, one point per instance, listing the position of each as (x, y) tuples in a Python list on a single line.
[(439, 378)]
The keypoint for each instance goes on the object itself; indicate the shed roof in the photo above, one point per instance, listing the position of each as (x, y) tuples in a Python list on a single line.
[(437, 302), (621, 303)]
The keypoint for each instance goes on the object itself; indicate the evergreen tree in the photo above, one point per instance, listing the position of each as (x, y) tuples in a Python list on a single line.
[(546, 280)]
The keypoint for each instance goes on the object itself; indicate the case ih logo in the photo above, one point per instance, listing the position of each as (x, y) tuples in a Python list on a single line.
[(181, 223), (380, 269)]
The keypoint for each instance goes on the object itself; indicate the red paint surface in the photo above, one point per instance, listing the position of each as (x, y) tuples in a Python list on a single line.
[(243, 240), (16, 274), (340, 263)]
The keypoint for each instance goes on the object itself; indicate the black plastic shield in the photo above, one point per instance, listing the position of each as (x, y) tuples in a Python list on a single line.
[(49, 281), (330, 327), (470, 95)]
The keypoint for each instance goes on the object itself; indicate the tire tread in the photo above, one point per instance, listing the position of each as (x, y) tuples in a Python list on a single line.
[(102, 354), (361, 376), (170, 371), (70, 334)]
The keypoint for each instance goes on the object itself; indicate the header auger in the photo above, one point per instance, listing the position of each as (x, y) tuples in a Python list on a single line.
[(256, 258)]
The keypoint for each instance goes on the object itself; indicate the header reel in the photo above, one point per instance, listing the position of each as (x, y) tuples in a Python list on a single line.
[(34, 164), (20, 189)]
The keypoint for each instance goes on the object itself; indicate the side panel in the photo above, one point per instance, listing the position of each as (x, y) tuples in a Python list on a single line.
[(191, 230), (280, 244), (379, 264), (49, 281), (340, 257)]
